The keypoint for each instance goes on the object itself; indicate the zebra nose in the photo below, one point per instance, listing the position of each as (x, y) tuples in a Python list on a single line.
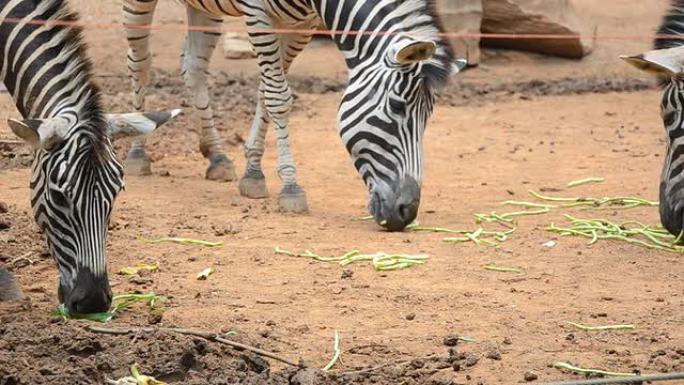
[(671, 217), (90, 294), (96, 301), (403, 211)]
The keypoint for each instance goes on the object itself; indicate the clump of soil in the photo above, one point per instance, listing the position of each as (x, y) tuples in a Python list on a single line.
[(37, 350)]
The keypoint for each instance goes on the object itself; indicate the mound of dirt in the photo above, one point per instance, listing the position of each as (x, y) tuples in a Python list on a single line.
[(38, 350)]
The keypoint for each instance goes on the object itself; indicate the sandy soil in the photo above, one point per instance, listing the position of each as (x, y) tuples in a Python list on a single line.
[(531, 128)]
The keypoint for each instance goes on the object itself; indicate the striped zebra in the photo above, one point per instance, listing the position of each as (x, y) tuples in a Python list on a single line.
[(394, 70), (75, 175), (667, 63)]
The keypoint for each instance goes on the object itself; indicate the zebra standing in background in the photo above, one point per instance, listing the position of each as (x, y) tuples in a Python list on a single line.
[(75, 175), (395, 70), (667, 62)]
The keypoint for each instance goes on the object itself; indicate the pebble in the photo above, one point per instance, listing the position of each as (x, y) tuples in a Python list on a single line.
[(450, 340), (494, 355), (529, 376), (411, 316)]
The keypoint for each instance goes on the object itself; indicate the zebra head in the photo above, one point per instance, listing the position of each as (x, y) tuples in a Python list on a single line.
[(382, 118), (668, 65), (75, 180)]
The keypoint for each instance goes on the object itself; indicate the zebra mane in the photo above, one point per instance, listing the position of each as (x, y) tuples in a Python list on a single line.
[(672, 24), (79, 69), (438, 69)]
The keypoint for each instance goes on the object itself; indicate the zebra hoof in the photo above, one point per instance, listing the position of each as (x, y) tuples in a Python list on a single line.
[(139, 166), (292, 199), (221, 169), (254, 188)]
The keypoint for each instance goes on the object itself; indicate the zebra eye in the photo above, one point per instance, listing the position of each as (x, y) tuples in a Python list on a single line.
[(58, 198), (669, 118), (397, 107)]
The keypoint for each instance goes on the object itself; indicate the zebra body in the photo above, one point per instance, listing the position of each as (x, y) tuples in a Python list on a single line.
[(667, 63), (75, 175), (393, 75)]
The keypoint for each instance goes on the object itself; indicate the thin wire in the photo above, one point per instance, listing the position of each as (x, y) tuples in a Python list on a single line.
[(285, 31)]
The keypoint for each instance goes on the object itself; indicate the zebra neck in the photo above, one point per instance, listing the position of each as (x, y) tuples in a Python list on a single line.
[(43, 66)]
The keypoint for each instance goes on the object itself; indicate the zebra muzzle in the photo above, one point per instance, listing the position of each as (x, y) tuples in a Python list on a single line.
[(396, 208)]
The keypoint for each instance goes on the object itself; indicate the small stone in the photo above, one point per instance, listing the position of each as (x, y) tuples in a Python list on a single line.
[(456, 366), (4, 208), (507, 341), (155, 318), (164, 173), (410, 316), (471, 360), (347, 274), (5, 224), (494, 355), (450, 341), (529, 376)]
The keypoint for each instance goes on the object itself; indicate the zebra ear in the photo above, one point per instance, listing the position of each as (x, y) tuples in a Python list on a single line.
[(410, 51), (40, 133), (663, 62), (137, 123), (458, 66)]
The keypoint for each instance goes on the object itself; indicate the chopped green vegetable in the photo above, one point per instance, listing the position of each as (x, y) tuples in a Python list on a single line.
[(478, 235), (119, 303), (467, 339), (597, 203), (602, 328), (584, 181), (575, 369), (336, 355), (136, 379), (652, 237), (381, 261), (133, 270), (204, 274), (183, 241), (500, 269), (365, 218)]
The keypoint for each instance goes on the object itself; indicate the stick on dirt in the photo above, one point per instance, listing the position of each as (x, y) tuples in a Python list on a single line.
[(198, 333), (625, 380)]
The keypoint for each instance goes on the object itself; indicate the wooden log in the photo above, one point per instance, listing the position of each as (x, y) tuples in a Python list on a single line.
[(552, 17)]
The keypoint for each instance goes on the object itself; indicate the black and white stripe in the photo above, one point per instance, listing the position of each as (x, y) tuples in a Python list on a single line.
[(393, 76), (75, 175), (667, 62)]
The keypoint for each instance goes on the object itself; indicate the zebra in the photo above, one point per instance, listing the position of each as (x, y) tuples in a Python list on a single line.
[(75, 174), (395, 68), (666, 61)]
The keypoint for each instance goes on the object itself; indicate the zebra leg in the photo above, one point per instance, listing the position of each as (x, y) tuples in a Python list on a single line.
[(275, 54), (136, 13), (199, 46), (253, 183)]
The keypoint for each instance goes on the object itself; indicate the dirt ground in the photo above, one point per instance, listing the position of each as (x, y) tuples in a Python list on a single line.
[(518, 122)]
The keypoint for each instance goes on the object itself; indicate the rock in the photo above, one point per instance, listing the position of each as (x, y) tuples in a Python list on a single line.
[(463, 16), (450, 341), (9, 290), (4, 207), (554, 17), (236, 46), (529, 376), (494, 355), (308, 376), (410, 316)]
